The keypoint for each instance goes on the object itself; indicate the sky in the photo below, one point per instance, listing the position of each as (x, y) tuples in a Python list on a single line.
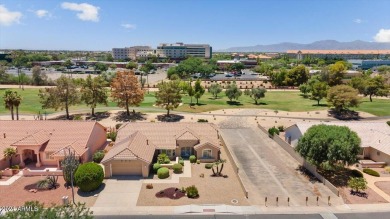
[(107, 24)]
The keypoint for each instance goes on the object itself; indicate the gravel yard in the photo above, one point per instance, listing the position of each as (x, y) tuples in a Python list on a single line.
[(212, 190), (18, 193)]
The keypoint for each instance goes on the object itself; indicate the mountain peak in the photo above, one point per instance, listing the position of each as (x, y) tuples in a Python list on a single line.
[(317, 45)]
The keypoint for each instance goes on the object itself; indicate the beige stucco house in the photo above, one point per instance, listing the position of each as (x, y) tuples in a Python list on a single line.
[(43, 143), (137, 144), (375, 137)]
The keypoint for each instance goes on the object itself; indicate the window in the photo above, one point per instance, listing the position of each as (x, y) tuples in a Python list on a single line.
[(48, 156), (206, 153)]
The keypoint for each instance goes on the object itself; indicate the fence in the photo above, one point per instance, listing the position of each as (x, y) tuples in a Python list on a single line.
[(235, 167), (28, 172), (312, 169)]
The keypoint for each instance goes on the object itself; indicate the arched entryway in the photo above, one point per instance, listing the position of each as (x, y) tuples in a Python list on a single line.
[(29, 157)]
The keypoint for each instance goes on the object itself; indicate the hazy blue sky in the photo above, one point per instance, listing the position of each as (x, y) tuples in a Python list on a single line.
[(103, 24)]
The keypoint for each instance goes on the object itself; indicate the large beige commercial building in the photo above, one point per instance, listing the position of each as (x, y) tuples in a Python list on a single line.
[(130, 52), (164, 50), (181, 50)]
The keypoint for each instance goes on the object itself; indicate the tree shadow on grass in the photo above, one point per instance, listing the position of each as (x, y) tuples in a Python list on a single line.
[(259, 104), (344, 114), (170, 118), (200, 104), (212, 98), (234, 103), (134, 116), (92, 193), (321, 105)]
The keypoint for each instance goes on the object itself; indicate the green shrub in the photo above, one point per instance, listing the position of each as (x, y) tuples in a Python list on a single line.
[(181, 162), (371, 172), (192, 159), (192, 192), (357, 183), (198, 161), (15, 167), (118, 125), (156, 166), (203, 120), (98, 156), (89, 176), (177, 168), (208, 165), (356, 173), (163, 173), (167, 160), (281, 128), (388, 123), (161, 158), (272, 131), (387, 169), (112, 135)]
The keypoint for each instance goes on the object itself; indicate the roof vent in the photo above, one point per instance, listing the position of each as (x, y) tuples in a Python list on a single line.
[(4, 135), (147, 142)]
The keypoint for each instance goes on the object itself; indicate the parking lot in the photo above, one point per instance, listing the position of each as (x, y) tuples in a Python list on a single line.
[(269, 171)]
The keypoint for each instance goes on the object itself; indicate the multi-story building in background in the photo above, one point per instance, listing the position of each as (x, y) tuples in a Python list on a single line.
[(175, 51), (130, 52), (181, 50)]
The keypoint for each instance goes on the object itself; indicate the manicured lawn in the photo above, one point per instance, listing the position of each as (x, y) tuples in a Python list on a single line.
[(275, 100)]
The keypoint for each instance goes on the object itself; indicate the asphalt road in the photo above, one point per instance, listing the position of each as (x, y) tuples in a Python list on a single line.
[(373, 215)]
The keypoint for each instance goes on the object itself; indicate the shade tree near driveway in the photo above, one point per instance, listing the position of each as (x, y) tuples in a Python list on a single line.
[(328, 146)]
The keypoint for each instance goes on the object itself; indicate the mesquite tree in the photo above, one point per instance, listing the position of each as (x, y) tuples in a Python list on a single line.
[(69, 166)]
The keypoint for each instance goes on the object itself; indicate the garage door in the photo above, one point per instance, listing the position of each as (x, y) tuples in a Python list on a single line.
[(133, 168)]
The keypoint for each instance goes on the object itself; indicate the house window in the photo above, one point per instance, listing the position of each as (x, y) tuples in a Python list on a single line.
[(48, 157), (207, 153)]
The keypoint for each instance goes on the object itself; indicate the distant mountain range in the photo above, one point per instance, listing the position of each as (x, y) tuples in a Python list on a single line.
[(318, 45)]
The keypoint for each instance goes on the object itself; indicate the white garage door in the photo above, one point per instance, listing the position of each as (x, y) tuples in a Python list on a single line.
[(133, 168)]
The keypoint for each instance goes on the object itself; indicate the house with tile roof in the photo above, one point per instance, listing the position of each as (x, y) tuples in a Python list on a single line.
[(375, 137), (45, 142), (138, 144)]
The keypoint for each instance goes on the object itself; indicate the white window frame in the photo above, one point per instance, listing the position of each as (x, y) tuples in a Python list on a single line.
[(207, 150)]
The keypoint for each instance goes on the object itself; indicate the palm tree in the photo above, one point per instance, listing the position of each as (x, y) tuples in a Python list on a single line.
[(8, 153), (9, 101), (17, 101), (12, 101), (221, 162)]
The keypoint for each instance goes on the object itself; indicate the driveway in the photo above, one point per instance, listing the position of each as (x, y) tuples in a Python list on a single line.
[(119, 193), (269, 171)]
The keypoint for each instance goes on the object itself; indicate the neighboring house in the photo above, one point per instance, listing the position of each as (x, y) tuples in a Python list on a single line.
[(137, 144), (375, 137), (44, 142)]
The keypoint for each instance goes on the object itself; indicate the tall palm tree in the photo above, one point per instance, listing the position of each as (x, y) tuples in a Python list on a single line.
[(9, 102), (17, 101), (9, 153)]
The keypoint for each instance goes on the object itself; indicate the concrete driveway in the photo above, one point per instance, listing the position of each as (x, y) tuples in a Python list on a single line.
[(269, 171), (119, 193)]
